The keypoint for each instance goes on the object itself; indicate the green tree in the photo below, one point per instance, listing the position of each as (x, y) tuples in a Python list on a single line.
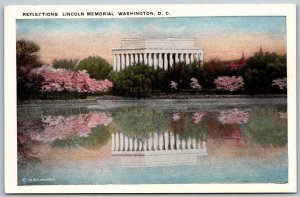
[(261, 69), (27, 54), (267, 127), (211, 70), (161, 82), (97, 67), (65, 63), (27, 59), (134, 81), (182, 73)]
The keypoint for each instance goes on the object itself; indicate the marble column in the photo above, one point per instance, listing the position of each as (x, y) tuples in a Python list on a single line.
[(194, 143), (160, 61), (130, 144), (114, 62), (160, 141), (136, 58), (199, 144), (181, 57), (172, 139), (155, 140), (140, 145), (177, 142), (204, 144), (122, 62), (118, 62), (183, 144), (171, 60), (176, 58), (126, 60), (117, 142), (155, 61), (121, 142), (166, 141), (187, 60), (145, 58), (189, 143), (126, 143), (131, 59), (149, 144), (141, 58), (166, 61), (195, 57), (201, 58), (150, 60), (113, 144), (135, 144)]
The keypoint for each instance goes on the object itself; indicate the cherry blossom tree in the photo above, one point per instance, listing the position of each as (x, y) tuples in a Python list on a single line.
[(233, 116), (197, 117), (195, 84), (26, 154), (227, 83), (174, 85), (176, 116), (177, 123), (58, 80), (61, 128), (281, 83)]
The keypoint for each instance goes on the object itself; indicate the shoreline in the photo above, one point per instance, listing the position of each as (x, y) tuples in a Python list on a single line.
[(94, 100), (174, 96)]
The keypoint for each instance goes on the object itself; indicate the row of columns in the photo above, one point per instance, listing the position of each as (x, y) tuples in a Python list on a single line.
[(155, 142), (155, 60)]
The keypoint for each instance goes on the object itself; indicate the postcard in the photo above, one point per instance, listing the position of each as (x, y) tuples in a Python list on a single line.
[(186, 98)]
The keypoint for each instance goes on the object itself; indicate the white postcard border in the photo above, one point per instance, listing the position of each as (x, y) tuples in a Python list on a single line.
[(179, 10)]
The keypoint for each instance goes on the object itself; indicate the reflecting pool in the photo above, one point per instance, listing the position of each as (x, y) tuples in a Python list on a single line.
[(153, 141)]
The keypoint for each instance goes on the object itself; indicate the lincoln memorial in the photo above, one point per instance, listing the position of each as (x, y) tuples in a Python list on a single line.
[(156, 149), (157, 53)]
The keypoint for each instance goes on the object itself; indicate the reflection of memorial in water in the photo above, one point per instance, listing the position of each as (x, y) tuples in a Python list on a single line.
[(158, 149)]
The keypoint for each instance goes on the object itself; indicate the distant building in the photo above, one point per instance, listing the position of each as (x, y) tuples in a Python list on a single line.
[(157, 53), (234, 65)]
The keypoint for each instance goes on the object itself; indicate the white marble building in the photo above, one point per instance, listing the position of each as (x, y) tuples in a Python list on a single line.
[(158, 53), (156, 143), (157, 149)]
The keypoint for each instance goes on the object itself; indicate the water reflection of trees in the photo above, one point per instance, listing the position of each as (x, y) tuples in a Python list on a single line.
[(26, 155), (188, 125), (98, 137), (61, 128), (64, 130), (81, 128), (139, 122), (225, 124), (267, 127)]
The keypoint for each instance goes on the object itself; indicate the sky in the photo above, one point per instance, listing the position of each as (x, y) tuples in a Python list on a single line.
[(224, 38)]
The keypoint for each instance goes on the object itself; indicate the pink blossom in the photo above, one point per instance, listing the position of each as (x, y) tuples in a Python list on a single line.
[(197, 117), (194, 84), (233, 116), (229, 83), (174, 85), (176, 116), (60, 127), (57, 80), (280, 82)]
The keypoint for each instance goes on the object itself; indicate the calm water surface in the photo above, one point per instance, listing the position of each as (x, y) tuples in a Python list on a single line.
[(154, 141)]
